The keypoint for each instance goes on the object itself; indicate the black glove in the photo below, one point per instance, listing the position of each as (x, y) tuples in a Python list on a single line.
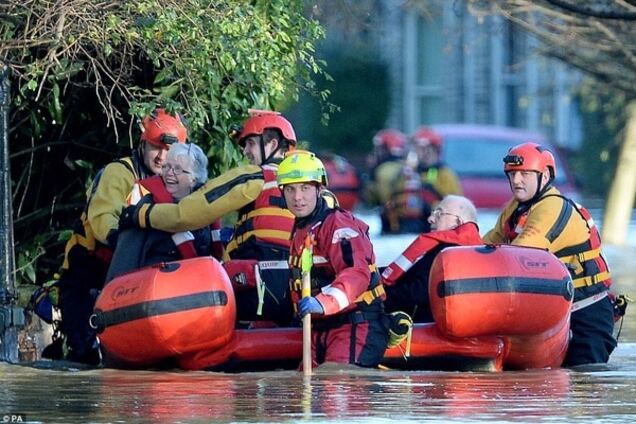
[(111, 238), (129, 217)]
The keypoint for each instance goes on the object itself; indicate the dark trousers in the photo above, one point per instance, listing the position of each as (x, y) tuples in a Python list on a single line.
[(356, 339), (79, 286), (592, 340), (277, 305)]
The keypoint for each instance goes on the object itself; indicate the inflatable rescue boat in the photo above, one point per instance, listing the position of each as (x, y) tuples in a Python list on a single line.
[(495, 307)]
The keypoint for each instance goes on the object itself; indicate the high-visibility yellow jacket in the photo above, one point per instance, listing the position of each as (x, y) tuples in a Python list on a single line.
[(565, 229)]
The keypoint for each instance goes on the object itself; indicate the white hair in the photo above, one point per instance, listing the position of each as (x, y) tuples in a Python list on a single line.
[(197, 158), (465, 209)]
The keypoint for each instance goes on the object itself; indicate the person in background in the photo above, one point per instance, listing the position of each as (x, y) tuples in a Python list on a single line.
[(385, 165), (423, 182), (346, 297), (344, 181), (539, 216), (90, 248), (453, 223), (184, 170)]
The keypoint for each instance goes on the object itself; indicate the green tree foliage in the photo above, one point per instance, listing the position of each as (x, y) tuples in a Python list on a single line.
[(84, 71), (603, 120), (359, 87)]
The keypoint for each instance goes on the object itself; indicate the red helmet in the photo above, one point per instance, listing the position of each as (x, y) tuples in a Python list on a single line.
[(264, 119), (393, 140), (425, 136), (529, 157), (162, 129)]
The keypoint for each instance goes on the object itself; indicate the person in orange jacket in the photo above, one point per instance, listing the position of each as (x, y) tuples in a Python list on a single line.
[(256, 255), (453, 223), (346, 295)]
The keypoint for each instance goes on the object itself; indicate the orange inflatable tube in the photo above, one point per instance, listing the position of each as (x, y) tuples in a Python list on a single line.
[(498, 290), (284, 345), (495, 308), (165, 310)]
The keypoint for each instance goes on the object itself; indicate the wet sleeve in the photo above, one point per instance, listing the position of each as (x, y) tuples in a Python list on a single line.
[(497, 235), (109, 200), (219, 196)]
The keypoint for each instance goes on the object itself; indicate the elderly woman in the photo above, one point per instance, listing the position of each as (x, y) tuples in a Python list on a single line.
[(184, 170)]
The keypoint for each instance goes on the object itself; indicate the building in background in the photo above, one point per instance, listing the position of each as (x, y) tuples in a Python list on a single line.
[(447, 67)]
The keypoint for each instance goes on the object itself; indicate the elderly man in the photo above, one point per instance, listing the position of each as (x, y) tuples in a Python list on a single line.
[(453, 223)]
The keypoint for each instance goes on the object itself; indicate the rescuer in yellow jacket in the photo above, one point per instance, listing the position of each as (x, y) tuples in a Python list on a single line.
[(261, 234), (422, 183), (89, 250), (539, 216), (385, 165)]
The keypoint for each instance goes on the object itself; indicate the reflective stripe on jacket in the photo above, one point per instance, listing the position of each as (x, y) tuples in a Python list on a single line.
[(464, 235), (344, 262), (564, 228), (266, 220)]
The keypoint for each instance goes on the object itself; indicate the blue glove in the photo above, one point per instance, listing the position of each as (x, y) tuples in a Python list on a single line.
[(310, 305), (226, 234)]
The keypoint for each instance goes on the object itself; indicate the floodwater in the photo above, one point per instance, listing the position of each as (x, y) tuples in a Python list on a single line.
[(601, 393)]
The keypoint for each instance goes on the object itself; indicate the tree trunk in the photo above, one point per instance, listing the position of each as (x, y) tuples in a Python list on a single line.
[(618, 209)]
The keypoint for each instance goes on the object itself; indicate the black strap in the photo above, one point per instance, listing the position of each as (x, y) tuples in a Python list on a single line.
[(506, 284), (352, 343), (562, 220), (151, 308), (220, 191)]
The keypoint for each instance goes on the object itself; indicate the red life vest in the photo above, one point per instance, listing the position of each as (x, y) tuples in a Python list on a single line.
[(592, 267), (338, 239), (184, 240), (265, 220), (464, 235)]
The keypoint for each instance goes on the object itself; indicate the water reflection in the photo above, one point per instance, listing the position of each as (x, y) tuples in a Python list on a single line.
[(332, 394)]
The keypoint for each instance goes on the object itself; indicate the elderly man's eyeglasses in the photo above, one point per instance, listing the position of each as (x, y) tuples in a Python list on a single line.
[(176, 169), (437, 213)]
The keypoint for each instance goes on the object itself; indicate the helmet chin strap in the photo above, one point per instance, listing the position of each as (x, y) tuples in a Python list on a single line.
[(540, 190), (270, 158), (141, 148)]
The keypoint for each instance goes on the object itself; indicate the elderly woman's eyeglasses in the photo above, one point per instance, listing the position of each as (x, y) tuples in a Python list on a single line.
[(437, 213), (176, 169)]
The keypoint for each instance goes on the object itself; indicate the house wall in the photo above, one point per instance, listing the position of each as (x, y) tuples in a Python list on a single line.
[(448, 67)]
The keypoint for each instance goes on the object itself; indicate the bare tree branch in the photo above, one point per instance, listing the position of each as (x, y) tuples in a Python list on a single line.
[(588, 11), (602, 47)]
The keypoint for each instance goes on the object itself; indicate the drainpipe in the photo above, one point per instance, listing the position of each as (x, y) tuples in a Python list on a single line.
[(11, 316)]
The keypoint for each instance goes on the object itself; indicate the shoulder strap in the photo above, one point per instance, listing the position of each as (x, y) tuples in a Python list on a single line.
[(128, 164)]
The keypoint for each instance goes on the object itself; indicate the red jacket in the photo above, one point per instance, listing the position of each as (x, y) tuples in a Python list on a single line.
[(343, 258), (464, 235)]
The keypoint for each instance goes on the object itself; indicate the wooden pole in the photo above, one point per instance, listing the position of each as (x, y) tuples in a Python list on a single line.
[(306, 262), (306, 289)]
